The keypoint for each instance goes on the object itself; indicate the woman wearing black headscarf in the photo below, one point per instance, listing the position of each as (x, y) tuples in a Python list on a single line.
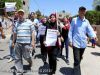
[(52, 50)]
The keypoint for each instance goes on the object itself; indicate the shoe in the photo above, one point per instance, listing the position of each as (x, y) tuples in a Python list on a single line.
[(10, 60), (67, 61), (51, 73), (30, 64), (45, 63), (19, 73), (1, 59), (33, 52), (93, 46)]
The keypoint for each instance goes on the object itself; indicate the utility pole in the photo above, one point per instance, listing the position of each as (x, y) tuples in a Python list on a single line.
[(25, 7), (2, 5)]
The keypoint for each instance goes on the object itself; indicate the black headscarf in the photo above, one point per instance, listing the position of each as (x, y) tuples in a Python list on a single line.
[(53, 24)]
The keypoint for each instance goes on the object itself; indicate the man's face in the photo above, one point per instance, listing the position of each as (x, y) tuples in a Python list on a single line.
[(20, 15), (16, 14), (82, 13)]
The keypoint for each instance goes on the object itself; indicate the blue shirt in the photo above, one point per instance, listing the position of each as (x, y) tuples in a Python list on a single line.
[(77, 33), (24, 31)]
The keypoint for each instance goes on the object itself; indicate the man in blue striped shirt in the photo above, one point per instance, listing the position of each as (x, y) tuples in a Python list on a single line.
[(24, 36), (80, 26)]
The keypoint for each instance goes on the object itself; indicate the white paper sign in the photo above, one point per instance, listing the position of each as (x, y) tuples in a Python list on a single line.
[(42, 30), (51, 37), (10, 6)]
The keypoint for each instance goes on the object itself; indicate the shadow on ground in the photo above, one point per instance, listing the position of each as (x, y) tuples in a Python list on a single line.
[(66, 71), (6, 57), (39, 56), (95, 53), (70, 71), (25, 67), (2, 50), (44, 69), (13, 69), (64, 58)]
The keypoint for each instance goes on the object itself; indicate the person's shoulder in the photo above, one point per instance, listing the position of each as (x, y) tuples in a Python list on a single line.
[(36, 19), (28, 21), (86, 20), (48, 24), (75, 18)]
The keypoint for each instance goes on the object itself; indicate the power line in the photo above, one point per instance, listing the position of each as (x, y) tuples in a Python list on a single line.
[(37, 4)]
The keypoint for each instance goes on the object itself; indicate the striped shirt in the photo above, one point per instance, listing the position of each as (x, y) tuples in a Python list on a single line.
[(24, 31)]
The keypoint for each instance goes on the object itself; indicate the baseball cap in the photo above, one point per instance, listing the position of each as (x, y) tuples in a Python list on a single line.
[(21, 10), (82, 8)]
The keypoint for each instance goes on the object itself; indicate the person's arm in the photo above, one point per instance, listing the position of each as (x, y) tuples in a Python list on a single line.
[(44, 40), (14, 39), (59, 38), (14, 36), (70, 34), (33, 36), (90, 31), (33, 39), (1, 30), (60, 24), (2, 33)]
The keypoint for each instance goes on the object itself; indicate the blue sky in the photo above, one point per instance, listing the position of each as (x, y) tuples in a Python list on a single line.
[(49, 6)]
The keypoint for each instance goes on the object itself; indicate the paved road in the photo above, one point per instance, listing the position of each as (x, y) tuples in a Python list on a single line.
[(90, 64)]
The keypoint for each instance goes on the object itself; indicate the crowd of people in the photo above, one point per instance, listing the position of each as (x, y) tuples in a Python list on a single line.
[(26, 33)]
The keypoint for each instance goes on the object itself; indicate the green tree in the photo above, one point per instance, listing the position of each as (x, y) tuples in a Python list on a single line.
[(96, 4), (39, 15), (97, 8), (93, 17), (18, 3), (2, 5)]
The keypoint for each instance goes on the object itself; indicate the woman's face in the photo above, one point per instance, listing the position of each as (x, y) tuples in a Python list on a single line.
[(65, 20), (44, 20), (52, 18)]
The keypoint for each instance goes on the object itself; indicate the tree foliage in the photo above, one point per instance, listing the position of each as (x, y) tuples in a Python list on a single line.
[(97, 8), (96, 2), (2, 5), (93, 17), (39, 14), (18, 5)]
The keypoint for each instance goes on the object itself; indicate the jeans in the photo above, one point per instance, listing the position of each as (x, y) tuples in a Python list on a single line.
[(22, 51), (43, 48), (12, 52), (66, 47), (78, 53), (52, 56)]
